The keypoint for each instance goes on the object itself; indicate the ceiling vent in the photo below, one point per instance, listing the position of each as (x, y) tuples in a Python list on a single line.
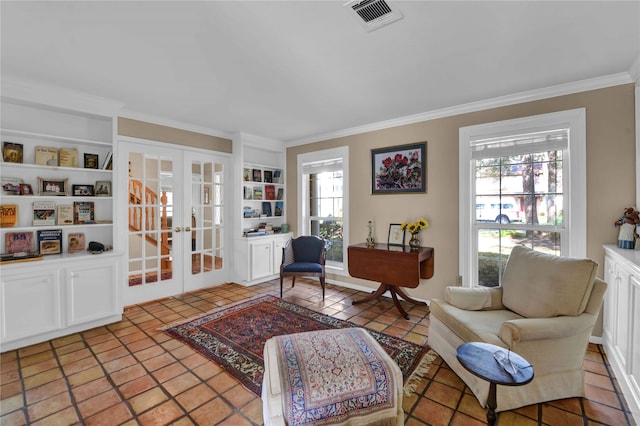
[(374, 14)]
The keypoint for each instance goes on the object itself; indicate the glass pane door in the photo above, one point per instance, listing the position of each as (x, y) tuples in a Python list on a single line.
[(206, 209), (154, 223)]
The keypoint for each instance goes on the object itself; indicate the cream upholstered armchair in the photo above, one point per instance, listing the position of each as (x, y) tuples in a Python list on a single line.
[(545, 311)]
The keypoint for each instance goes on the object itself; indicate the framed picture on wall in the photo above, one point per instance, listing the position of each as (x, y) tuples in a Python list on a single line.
[(399, 169)]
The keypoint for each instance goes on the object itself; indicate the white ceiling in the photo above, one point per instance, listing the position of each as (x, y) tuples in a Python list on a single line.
[(293, 70)]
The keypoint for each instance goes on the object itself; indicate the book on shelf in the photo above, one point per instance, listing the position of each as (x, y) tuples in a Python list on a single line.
[(246, 174), (248, 213), (280, 195), (268, 176), (106, 164), (68, 157), (50, 241), (19, 243), (278, 209), (83, 212), (76, 242), (277, 176), (266, 208), (257, 193), (44, 213), (12, 152), (248, 193), (257, 175), (8, 215), (46, 155), (65, 214), (269, 192)]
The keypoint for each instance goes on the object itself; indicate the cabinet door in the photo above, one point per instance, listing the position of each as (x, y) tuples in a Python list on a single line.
[(261, 259), (30, 304), (278, 243), (91, 292)]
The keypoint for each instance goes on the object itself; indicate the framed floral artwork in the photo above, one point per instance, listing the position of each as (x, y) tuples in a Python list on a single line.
[(399, 169)]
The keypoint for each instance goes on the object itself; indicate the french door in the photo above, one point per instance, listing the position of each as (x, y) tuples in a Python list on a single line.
[(176, 211)]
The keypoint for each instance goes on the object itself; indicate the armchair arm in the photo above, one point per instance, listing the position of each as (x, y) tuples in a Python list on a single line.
[(527, 329), (474, 299)]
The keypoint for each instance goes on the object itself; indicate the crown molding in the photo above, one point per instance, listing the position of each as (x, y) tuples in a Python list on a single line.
[(513, 99), (153, 119)]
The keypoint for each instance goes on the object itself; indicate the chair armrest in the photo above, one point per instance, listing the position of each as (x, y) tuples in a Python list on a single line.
[(528, 329), (474, 299)]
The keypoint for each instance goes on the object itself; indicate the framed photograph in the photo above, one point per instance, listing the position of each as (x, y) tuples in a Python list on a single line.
[(103, 188), (83, 190), (25, 189), (12, 152), (75, 242), (396, 235), (399, 169), (11, 186), (53, 186), (90, 161)]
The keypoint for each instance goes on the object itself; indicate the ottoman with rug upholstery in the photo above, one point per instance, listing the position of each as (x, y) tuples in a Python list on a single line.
[(330, 377)]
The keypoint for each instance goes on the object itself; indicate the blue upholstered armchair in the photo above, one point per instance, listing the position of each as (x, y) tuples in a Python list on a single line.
[(303, 257)]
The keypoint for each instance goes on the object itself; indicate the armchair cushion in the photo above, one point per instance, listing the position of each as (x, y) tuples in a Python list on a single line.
[(539, 285), (311, 267)]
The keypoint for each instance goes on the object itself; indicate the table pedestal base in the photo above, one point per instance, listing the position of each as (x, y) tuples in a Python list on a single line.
[(395, 292)]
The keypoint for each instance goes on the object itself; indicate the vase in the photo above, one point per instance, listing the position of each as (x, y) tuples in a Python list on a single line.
[(414, 242)]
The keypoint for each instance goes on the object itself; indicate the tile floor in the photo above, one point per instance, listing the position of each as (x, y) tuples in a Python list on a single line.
[(132, 373)]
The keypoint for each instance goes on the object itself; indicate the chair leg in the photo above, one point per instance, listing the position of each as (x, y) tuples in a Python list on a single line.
[(281, 286), (322, 284), (293, 281)]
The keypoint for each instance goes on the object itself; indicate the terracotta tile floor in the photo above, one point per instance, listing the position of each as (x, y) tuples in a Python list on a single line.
[(132, 373)]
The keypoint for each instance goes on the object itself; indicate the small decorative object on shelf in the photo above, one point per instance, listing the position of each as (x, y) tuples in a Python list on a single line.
[(25, 189), (11, 186), (52, 186), (76, 242), (83, 190), (370, 240), (12, 152), (414, 229), (628, 223), (103, 188), (90, 161)]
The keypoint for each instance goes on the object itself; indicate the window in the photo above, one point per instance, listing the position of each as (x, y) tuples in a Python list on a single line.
[(323, 210), (521, 182)]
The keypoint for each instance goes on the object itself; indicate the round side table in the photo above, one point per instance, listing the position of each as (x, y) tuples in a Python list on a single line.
[(480, 360)]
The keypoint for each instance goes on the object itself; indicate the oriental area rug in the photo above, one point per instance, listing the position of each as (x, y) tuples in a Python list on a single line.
[(234, 338)]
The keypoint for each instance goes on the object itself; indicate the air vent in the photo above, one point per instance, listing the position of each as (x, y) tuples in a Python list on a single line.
[(374, 14)]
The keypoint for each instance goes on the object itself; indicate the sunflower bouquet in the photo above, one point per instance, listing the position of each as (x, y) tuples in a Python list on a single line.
[(415, 227)]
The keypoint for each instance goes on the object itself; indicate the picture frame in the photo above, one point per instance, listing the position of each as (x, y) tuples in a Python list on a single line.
[(396, 235), (103, 188), (12, 152), (399, 169), (59, 187), (83, 190), (11, 186), (26, 189), (90, 161)]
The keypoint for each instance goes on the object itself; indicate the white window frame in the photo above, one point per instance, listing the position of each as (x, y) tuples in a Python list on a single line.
[(324, 155), (574, 184)]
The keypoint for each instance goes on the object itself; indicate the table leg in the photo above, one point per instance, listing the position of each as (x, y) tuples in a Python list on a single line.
[(491, 405), (379, 292), (408, 298), (404, 314)]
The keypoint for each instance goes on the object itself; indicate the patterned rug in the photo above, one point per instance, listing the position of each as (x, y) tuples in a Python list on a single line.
[(234, 338)]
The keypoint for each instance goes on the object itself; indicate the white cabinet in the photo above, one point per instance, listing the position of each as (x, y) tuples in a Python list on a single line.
[(621, 321), (91, 292), (42, 300), (257, 259), (261, 259), (30, 303)]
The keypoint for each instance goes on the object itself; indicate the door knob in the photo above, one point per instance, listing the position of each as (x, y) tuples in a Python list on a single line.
[(178, 229), (187, 229)]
